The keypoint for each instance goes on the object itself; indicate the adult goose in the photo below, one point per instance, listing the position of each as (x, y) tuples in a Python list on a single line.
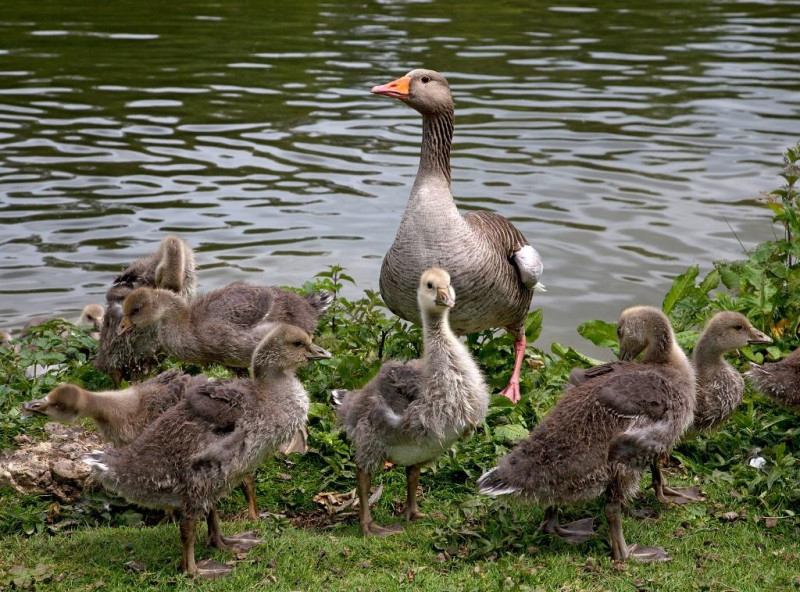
[(601, 435), (779, 381), (205, 445), (133, 355), (412, 412), (493, 267)]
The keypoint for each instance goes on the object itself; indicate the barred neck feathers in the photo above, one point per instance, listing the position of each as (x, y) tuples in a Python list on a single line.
[(437, 139)]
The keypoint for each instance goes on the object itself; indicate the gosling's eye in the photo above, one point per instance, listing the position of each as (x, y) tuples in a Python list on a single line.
[(425, 79), (136, 310), (739, 327), (298, 344), (430, 286)]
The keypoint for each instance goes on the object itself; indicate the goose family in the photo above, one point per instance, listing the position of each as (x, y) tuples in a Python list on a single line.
[(222, 430), (600, 435), (135, 354), (493, 267), (412, 412), (182, 442)]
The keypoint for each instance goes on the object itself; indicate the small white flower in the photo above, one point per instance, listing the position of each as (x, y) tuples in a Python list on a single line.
[(758, 462)]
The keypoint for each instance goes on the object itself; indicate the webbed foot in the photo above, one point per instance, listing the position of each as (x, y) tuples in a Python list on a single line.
[(574, 533), (412, 515), (681, 495), (211, 570), (373, 529), (643, 554)]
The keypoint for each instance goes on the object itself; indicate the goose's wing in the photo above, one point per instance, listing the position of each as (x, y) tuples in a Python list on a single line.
[(510, 242), (218, 403), (395, 388)]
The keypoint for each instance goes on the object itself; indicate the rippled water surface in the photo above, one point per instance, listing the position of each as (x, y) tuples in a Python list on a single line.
[(626, 140)]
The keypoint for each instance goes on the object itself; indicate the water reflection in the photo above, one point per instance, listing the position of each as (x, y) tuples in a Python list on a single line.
[(622, 140)]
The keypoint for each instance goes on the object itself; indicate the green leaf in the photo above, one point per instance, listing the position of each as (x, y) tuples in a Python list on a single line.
[(533, 325), (600, 333), (681, 287), (511, 433)]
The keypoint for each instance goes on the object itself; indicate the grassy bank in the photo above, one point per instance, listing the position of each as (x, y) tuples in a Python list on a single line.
[(743, 537)]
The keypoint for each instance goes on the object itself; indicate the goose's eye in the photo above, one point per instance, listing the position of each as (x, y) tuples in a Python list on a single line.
[(739, 327), (136, 310), (298, 344), (425, 79), (430, 286)]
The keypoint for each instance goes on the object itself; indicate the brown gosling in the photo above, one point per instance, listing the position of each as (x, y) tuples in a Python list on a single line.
[(600, 435), (198, 450), (223, 326), (779, 381)]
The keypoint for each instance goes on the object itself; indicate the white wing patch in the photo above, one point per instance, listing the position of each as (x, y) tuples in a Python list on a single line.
[(530, 266)]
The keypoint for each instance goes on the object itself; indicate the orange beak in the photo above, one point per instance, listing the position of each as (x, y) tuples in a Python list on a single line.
[(396, 90)]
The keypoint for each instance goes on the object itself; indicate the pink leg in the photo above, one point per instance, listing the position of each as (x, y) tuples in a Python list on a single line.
[(512, 390)]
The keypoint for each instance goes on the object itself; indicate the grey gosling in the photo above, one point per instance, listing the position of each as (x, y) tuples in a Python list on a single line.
[(412, 412), (493, 267), (601, 435), (719, 386), (779, 381), (91, 316), (198, 450), (120, 416), (135, 354), (223, 326)]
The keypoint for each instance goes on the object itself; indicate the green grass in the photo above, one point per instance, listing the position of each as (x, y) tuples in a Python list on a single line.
[(708, 553)]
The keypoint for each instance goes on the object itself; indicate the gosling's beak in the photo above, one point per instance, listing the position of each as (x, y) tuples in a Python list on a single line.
[(397, 89), (757, 336), (444, 298), (317, 353), (124, 325), (98, 323), (626, 355), (35, 406)]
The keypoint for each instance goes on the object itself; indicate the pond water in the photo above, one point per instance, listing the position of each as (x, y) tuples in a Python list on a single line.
[(626, 140)]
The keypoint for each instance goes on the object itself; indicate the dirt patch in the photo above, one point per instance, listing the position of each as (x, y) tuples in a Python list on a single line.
[(52, 466)]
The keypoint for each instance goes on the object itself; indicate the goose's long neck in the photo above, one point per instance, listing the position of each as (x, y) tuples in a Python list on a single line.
[(437, 138)]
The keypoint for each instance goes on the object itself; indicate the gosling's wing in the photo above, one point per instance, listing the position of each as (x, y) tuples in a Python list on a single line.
[(638, 394), (218, 403), (580, 375)]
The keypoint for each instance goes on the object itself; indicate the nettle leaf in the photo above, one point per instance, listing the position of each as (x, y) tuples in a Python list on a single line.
[(682, 286), (599, 332), (533, 325), (511, 433)]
